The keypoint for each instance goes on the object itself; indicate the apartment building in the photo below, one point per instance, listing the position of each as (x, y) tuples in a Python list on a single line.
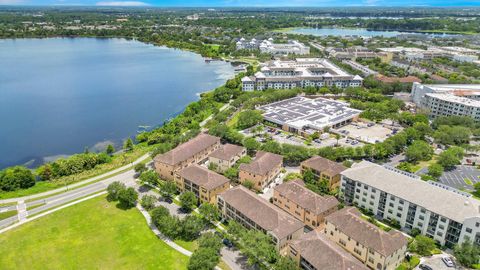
[(302, 72), (354, 53), (290, 47), (188, 153), (303, 204), (226, 156), (376, 248), (448, 99), (445, 214), (262, 170), (205, 184), (314, 251), (324, 170), (254, 212)]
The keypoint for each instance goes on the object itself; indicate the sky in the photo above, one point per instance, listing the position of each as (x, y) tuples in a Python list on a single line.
[(245, 3)]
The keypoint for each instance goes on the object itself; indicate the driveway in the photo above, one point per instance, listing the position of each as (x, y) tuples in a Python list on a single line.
[(174, 209), (234, 259), (436, 263)]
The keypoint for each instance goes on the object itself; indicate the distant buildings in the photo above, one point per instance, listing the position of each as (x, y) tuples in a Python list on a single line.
[(455, 53), (324, 170), (254, 212), (447, 215), (268, 46), (226, 156), (243, 44), (305, 116), (302, 72), (448, 99), (354, 53), (366, 71), (262, 170), (191, 152)]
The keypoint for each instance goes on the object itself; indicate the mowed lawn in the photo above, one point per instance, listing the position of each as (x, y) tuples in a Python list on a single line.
[(94, 234)]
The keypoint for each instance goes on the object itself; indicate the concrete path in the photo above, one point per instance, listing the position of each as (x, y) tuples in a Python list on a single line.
[(22, 211)]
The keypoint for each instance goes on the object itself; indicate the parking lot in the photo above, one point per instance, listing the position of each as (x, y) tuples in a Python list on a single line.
[(370, 132), (456, 178), (436, 263)]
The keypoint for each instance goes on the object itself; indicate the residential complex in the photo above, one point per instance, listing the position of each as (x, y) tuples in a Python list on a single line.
[(302, 72), (373, 246), (353, 53), (291, 47), (454, 53), (226, 156), (314, 251), (254, 212), (305, 115), (448, 99), (191, 152), (445, 214), (324, 170), (204, 183), (304, 204), (243, 44), (262, 170)]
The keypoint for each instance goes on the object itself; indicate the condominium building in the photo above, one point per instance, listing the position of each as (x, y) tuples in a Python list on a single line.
[(324, 170), (304, 204), (188, 153), (302, 72), (290, 47), (262, 170), (314, 251), (440, 212), (243, 44), (357, 53), (373, 246), (226, 156), (254, 212), (448, 99), (204, 183)]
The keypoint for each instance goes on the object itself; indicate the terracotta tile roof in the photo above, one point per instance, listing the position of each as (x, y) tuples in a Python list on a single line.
[(324, 254), (187, 150), (408, 79), (227, 151), (261, 212), (203, 177), (324, 165), (263, 163), (296, 192), (348, 220)]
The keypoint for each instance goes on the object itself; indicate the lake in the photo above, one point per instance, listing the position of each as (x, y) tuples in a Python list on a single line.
[(354, 32), (60, 95)]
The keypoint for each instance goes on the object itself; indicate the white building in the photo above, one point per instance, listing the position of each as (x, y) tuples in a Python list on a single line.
[(440, 212), (247, 45), (291, 47), (302, 72), (448, 99)]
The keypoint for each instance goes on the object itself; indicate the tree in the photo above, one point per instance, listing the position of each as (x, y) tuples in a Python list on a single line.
[(285, 263), (45, 172), (423, 245), (110, 149), (17, 177), (191, 226), (467, 253), (168, 188), (248, 184), (210, 240), (128, 145), (114, 190), (419, 150), (148, 202), (309, 176), (435, 170), (140, 168), (203, 259), (209, 211), (405, 166), (231, 173), (258, 246), (251, 144), (248, 118), (450, 157), (128, 197), (159, 212), (188, 201), (150, 177)]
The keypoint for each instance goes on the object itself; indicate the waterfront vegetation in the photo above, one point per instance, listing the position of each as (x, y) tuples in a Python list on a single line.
[(110, 238)]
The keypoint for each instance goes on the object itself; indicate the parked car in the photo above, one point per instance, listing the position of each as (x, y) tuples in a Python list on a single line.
[(370, 124), (448, 261), (227, 243), (425, 267)]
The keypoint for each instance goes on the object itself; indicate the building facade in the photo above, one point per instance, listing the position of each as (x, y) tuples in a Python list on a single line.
[(291, 47), (226, 156), (324, 170), (262, 170)]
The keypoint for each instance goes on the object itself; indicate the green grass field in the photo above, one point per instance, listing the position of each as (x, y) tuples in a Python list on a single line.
[(94, 234)]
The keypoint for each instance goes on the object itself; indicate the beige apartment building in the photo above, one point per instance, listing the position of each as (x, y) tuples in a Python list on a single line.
[(324, 170), (188, 153), (226, 156), (304, 204), (205, 184), (254, 212), (376, 248), (262, 170), (314, 251)]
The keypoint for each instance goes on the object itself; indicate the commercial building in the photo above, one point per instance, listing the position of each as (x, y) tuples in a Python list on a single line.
[(448, 99), (353, 53), (262, 170), (305, 115), (205, 184), (191, 152), (302, 72), (366, 71), (291, 47), (226, 156), (454, 53), (373, 246), (440, 212), (314, 251), (324, 170), (254, 212), (243, 44), (304, 204)]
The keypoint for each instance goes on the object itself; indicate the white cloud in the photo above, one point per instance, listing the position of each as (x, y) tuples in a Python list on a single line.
[(120, 3)]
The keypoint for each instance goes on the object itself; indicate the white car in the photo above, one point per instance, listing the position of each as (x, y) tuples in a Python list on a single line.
[(448, 261)]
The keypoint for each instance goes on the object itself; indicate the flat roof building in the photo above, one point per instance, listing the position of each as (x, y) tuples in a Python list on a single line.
[(291, 47)]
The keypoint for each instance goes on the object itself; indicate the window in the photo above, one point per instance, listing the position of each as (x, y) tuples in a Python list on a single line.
[(468, 230)]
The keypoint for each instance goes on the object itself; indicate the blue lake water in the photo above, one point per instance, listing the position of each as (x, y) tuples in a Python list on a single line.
[(353, 32), (60, 95)]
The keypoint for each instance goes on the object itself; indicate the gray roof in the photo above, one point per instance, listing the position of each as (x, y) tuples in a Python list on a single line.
[(296, 192), (203, 177), (261, 212), (348, 221), (324, 254), (227, 151), (263, 163), (435, 199)]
